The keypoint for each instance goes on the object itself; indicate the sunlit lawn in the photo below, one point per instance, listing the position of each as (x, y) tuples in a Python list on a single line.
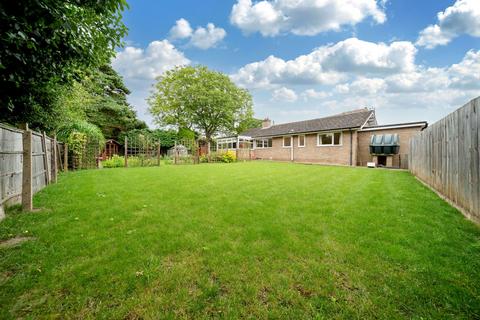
[(243, 240)]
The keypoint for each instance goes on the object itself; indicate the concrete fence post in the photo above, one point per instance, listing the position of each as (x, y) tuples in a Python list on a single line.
[(27, 192)]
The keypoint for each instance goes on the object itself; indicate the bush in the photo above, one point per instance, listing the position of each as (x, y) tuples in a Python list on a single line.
[(229, 156), (115, 161)]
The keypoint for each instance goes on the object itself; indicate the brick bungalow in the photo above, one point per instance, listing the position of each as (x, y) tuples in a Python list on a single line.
[(349, 138)]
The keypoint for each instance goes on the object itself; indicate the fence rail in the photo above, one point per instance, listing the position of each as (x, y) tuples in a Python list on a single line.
[(446, 157), (28, 162)]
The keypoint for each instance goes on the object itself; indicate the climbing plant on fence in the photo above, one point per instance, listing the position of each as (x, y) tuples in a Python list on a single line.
[(141, 151)]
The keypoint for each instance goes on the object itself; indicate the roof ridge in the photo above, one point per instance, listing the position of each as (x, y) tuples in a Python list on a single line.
[(335, 115)]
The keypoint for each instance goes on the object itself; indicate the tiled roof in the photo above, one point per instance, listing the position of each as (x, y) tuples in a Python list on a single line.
[(352, 119)]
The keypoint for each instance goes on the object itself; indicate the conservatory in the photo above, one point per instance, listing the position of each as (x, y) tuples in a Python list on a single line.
[(233, 143)]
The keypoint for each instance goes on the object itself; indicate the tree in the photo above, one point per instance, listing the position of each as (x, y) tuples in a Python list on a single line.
[(109, 109), (199, 99), (45, 44), (248, 123), (99, 98)]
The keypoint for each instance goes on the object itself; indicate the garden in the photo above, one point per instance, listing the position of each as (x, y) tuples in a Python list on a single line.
[(239, 240)]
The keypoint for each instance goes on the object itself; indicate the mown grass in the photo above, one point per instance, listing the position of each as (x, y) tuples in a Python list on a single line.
[(244, 240)]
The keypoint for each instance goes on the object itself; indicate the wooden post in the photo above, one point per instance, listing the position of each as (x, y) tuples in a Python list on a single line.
[(176, 153), (65, 157), (208, 151), (126, 152), (27, 192), (46, 165), (158, 152), (59, 156), (53, 158), (197, 152)]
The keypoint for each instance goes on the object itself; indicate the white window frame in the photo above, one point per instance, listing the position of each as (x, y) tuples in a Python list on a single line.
[(264, 143), (304, 140), (319, 144), (283, 142)]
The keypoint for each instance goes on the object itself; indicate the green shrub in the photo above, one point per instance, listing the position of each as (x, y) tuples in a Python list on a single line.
[(115, 161), (229, 156)]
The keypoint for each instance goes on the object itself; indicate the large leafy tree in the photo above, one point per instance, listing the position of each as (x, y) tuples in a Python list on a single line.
[(47, 43), (200, 99), (248, 123), (100, 98)]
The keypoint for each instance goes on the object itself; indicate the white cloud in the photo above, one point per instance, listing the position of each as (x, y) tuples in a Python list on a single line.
[(205, 38), (148, 63), (284, 94), (313, 94), (303, 17), (139, 67), (202, 38), (461, 18), (363, 86), (181, 30), (466, 74), (330, 64), (411, 94)]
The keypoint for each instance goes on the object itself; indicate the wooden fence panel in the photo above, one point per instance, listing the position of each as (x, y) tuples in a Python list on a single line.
[(11, 149), (43, 165), (446, 156)]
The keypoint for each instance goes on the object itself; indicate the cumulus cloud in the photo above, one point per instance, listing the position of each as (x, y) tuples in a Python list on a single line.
[(139, 67), (303, 17), (181, 29), (205, 38), (461, 18), (313, 94), (330, 64), (148, 63), (428, 92), (202, 38), (284, 94)]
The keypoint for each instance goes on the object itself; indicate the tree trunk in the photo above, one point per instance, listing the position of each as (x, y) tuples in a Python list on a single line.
[(208, 137)]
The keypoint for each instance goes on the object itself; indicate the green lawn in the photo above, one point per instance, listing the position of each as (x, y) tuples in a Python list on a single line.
[(249, 240)]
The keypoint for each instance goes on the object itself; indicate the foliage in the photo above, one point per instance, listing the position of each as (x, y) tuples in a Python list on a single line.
[(117, 161), (219, 156), (248, 123), (90, 131), (47, 43), (100, 97), (229, 156), (77, 142), (166, 137), (109, 109), (199, 99), (261, 240)]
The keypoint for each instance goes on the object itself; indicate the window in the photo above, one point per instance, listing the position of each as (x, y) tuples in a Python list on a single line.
[(301, 141), (329, 139), (263, 143), (337, 136), (227, 143), (287, 142)]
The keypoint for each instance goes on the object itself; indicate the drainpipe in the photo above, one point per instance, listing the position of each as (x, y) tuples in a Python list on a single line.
[(291, 152), (351, 146)]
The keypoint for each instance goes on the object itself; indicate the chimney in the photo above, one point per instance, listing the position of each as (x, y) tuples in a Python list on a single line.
[(266, 123)]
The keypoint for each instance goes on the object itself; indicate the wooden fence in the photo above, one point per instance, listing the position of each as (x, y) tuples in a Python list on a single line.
[(28, 162), (446, 157)]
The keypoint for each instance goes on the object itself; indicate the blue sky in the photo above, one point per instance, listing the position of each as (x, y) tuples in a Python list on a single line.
[(410, 60)]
